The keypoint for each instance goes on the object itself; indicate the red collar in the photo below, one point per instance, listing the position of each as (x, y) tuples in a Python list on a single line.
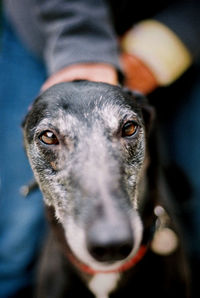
[(130, 263)]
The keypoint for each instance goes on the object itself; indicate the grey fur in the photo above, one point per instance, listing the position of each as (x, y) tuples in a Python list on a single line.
[(94, 174)]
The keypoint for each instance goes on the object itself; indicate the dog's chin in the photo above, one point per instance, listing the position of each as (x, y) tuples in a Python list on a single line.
[(76, 239)]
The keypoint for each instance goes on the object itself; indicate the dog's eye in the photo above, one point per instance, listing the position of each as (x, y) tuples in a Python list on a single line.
[(49, 138), (129, 129)]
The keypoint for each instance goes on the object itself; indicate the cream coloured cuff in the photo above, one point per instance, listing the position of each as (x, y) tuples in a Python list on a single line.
[(159, 48)]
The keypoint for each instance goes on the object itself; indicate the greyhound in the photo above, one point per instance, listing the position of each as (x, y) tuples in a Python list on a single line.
[(91, 148)]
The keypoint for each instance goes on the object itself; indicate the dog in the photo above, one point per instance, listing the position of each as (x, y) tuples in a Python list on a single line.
[(92, 150)]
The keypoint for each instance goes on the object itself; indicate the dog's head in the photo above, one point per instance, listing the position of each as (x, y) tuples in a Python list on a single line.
[(86, 143)]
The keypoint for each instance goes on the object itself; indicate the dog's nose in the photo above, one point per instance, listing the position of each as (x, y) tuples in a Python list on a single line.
[(109, 243)]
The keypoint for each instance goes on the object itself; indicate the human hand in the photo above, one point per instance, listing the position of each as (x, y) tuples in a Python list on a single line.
[(137, 75), (98, 72)]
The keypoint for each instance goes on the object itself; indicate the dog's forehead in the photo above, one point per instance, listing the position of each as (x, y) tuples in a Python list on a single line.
[(109, 113), (89, 102), (70, 121), (68, 106), (112, 113)]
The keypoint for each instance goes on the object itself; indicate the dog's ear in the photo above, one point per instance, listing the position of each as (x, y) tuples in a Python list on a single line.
[(148, 111)]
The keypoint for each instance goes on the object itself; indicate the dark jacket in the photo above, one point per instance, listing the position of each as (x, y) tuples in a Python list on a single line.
[(65, 32)]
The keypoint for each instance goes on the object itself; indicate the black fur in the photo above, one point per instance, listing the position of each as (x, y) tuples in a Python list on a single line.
[(67, 182)]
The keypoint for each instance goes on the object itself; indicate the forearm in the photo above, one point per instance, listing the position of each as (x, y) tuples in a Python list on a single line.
[(162, 46)]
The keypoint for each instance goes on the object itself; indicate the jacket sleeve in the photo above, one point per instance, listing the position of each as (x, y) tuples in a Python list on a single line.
[(77, 31)]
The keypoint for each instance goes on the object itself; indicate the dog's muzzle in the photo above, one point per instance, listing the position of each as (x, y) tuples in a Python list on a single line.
[(110, 240)]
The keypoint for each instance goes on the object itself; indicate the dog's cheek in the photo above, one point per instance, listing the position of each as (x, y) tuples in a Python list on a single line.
[(133, 166), (42, 172), (133, 149), (59, 189), (49, 157), (76, 238), (137, 227)]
